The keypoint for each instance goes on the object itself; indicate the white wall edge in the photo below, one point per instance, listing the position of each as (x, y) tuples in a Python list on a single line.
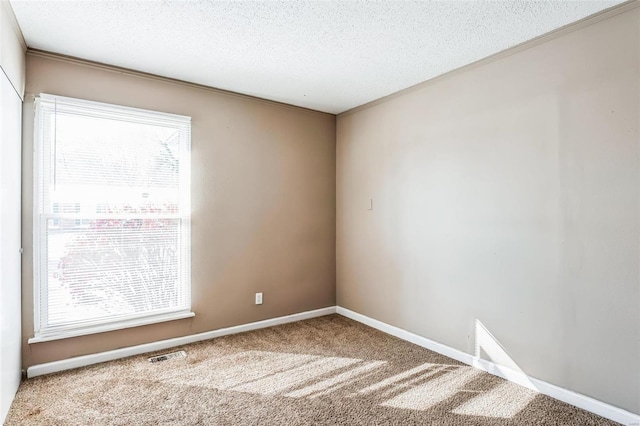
[(570, 397), (84, 360), (12, 52), (15, 27)]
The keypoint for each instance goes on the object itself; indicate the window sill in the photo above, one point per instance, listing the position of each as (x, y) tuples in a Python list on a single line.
[(112, 326)]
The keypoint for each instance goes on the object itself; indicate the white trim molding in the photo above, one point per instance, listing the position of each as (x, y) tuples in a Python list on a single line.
[(570, 397), (81, 361), (118, 325), (139, 74)]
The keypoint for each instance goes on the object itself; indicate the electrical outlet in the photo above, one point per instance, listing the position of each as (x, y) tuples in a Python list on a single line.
[(258, 298)]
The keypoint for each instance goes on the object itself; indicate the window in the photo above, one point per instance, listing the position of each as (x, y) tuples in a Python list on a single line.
[(111, 217)]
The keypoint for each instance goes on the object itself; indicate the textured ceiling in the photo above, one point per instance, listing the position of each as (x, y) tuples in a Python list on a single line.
[(325, 55)]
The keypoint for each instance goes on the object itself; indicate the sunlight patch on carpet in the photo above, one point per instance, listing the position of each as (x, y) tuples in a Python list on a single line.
[(499, 402), (432, 392), (267, 373), (422, 368), (333, 383), (279, 382)]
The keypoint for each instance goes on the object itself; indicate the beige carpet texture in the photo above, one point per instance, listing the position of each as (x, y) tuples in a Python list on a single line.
[(325, 371)]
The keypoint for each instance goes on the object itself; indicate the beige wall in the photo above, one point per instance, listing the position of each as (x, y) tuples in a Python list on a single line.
[(507, 192), (263, 203)]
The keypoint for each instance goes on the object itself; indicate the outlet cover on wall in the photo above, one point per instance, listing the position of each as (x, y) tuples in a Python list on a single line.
[(258, 298)]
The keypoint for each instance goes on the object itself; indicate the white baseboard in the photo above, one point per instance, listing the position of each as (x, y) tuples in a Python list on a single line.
[(81, 361), (581, 401)]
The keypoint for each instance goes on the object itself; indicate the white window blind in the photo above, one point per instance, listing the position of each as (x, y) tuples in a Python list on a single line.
[(112, 217)]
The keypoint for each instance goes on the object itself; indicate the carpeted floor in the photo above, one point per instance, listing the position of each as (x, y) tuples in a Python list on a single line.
[(324, 371)]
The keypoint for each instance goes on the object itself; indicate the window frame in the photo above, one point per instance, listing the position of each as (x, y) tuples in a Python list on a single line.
[(40, 267)]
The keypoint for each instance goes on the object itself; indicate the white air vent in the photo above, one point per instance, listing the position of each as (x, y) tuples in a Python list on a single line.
[(165, 357)]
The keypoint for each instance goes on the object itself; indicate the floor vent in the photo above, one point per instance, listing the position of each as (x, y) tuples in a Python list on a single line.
[(165, 357)]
